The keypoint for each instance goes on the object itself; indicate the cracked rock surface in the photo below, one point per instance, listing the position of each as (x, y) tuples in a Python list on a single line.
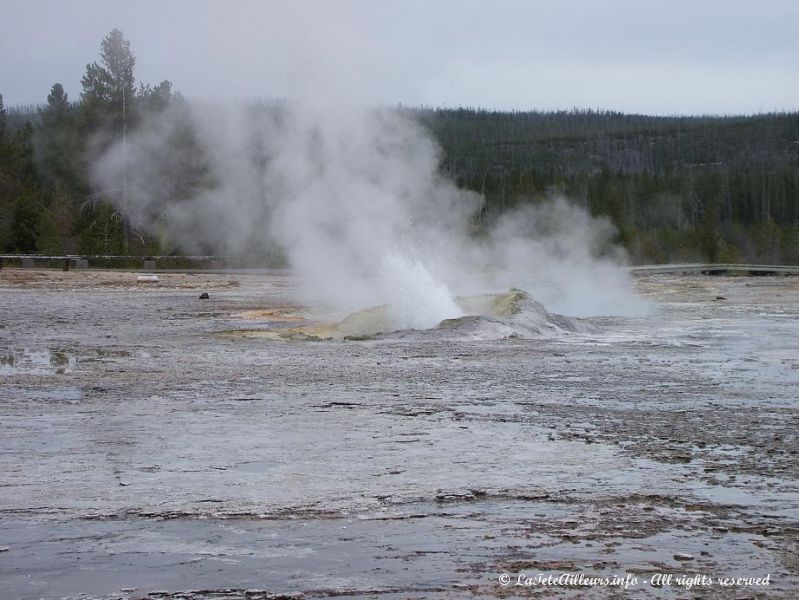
[(151, 446)]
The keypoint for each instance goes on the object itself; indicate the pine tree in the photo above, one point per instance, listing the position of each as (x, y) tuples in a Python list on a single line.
[(3, 121), (109, 91), (59, 150), (109, 107), (6, 199), (22, 191)]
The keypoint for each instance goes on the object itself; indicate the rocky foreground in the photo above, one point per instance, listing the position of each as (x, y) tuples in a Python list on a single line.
[(152, 446)]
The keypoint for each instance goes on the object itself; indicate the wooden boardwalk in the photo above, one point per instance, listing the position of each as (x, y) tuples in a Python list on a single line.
[(88, 261), (218, 263), (716, 269)]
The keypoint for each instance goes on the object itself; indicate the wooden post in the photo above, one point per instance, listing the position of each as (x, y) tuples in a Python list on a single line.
[(66, 264)]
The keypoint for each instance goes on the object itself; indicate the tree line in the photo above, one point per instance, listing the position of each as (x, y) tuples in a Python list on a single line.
[(714, 188), (678, 188), (47, 204)]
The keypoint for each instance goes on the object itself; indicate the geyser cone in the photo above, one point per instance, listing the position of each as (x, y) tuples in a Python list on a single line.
[(486, 316)]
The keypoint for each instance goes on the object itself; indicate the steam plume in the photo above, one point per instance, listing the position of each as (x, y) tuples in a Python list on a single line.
[(354, 199)]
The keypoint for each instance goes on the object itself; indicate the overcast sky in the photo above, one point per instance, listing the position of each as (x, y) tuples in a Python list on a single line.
[(663, 57)]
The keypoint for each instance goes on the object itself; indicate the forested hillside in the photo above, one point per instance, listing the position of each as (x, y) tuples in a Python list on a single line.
[(677, 188)]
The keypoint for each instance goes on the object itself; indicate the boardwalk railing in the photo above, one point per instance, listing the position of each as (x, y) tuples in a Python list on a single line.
[(86, 261), (716, 269), (153, 263)]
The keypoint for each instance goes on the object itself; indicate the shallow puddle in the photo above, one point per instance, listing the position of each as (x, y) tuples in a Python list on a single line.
[(35, 362)]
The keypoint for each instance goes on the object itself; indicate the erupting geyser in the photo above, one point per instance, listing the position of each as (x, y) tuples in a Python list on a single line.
[(486, 316), (418, 301), (353, 198)]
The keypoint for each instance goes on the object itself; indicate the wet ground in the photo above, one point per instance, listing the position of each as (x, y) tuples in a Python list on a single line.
[(150, 445)]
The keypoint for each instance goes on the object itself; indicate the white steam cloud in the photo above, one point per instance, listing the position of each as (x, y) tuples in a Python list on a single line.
[(354, 200)]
